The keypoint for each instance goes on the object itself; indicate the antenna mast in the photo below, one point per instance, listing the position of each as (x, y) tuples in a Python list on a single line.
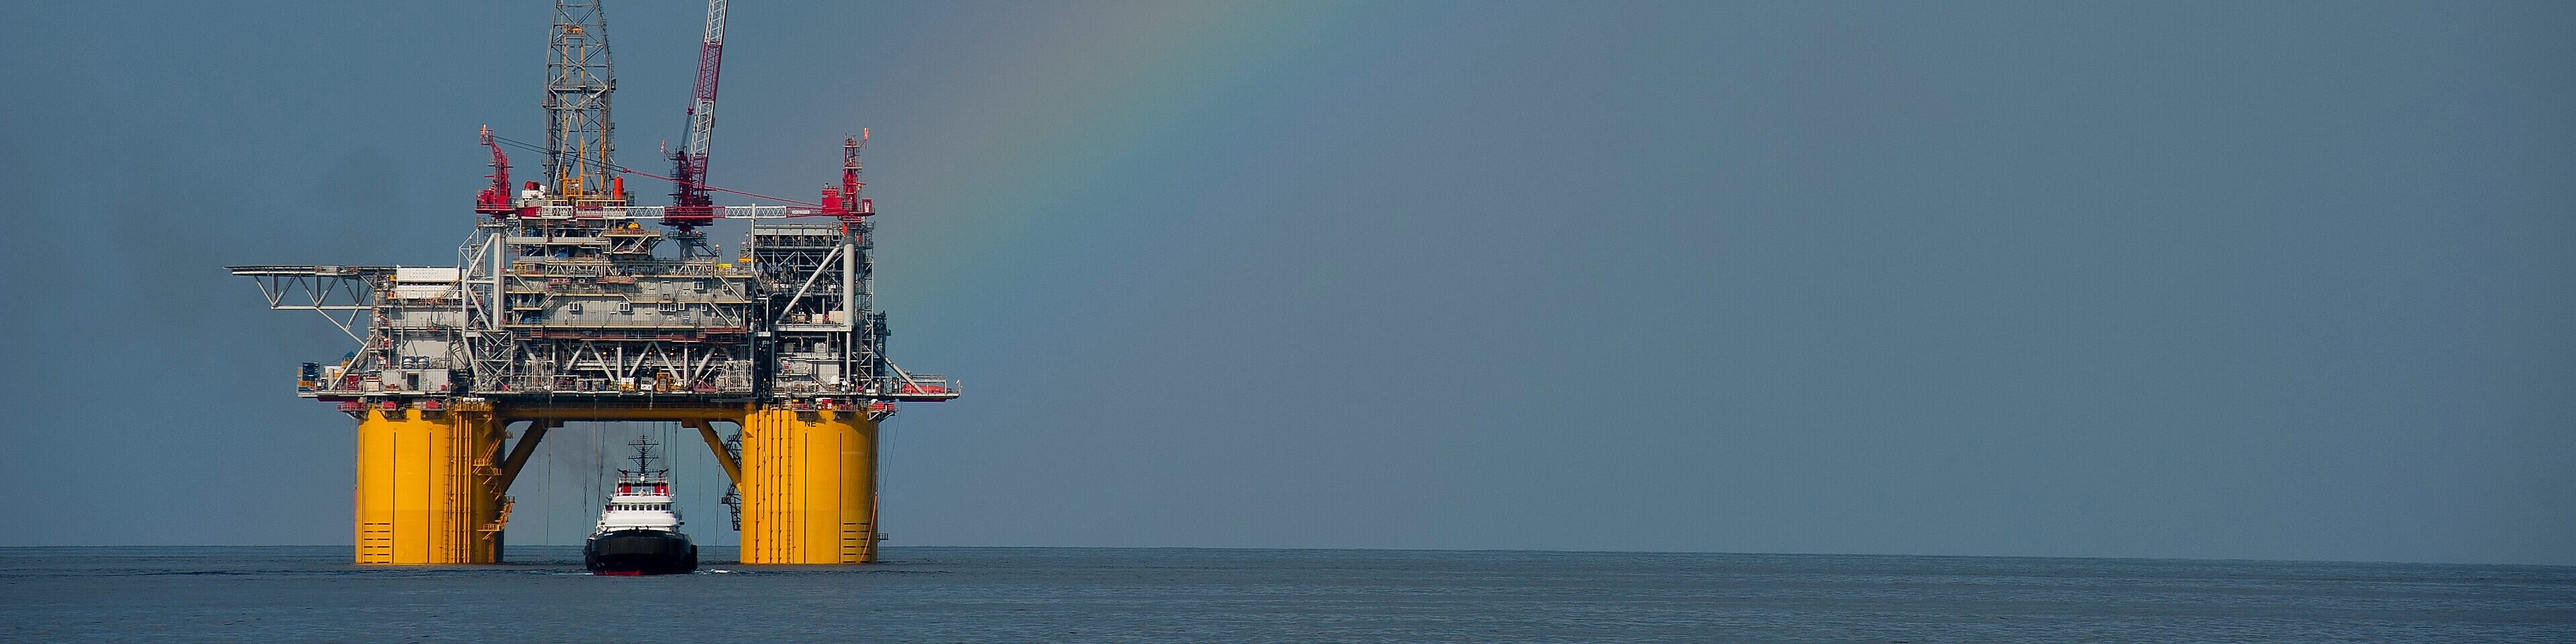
[(643, 456)]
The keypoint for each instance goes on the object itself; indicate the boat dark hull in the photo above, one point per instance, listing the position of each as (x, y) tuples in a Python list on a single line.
[(639, 552)]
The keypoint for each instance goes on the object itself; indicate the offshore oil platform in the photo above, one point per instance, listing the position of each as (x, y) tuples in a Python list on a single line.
[(571, 302)]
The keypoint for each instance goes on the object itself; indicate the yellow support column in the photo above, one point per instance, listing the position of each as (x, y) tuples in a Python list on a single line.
[(420, 498), (808, 487), (375, 490)]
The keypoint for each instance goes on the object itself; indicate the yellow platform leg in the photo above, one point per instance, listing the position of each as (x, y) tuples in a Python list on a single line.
[(425, 488), (808, 487)]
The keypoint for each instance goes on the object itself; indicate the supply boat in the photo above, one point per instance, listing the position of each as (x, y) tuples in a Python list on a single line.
[(639, 530)]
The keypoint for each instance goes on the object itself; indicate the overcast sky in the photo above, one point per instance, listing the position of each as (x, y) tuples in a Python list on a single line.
[(2225, 280)]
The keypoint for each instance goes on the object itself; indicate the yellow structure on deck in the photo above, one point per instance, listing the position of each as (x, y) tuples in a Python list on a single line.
[(431, 485)]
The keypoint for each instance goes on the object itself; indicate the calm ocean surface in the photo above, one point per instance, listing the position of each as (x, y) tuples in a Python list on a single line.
[(1174, 595)]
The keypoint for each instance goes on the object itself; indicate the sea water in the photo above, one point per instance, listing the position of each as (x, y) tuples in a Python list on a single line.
[(1191, 595)]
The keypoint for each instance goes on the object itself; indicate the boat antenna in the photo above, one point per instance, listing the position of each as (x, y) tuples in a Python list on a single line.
[(643, 456)]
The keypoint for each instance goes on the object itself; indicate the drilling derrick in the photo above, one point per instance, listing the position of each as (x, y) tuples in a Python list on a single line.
[(565, 305), (579, 80)]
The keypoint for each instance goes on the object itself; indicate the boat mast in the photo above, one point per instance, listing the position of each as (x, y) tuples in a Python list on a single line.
[(643, 459)]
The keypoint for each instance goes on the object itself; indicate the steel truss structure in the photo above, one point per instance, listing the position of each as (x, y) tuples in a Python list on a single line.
[(573, 303)]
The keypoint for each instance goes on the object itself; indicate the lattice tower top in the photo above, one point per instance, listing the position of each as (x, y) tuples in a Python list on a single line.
[(579, 79)]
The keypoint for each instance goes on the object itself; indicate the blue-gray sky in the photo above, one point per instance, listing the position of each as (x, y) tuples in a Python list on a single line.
[(2222, 280)]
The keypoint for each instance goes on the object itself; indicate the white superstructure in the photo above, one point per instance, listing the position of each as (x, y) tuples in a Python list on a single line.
[(640, 504), (642, 499)]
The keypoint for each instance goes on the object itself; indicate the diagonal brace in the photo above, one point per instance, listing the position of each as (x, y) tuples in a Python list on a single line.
[(520, 451), (733, 469)]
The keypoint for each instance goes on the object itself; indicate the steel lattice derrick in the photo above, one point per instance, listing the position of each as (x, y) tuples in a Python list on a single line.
[(580, 147)]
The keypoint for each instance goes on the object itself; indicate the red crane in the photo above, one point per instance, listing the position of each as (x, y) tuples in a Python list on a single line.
[(690, 205), (495, 200)]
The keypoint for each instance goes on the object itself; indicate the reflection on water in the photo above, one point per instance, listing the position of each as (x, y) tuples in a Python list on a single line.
[(1185, 595)]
